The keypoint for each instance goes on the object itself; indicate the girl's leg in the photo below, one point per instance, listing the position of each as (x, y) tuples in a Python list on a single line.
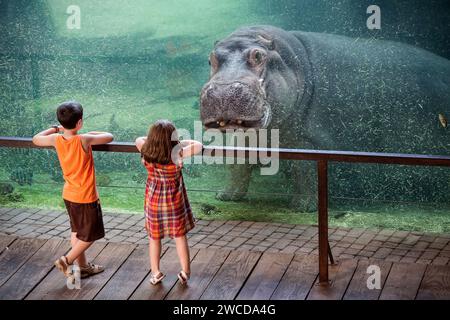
[(81, 260), (155, 255), (183, 253)]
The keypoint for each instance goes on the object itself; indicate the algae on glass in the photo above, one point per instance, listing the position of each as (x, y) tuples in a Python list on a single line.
[(133, 62)]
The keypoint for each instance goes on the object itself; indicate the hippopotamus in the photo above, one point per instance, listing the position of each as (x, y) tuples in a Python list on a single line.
[(329, 92)]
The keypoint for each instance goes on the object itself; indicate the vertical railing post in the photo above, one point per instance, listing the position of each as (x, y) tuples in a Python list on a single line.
[(322, 175)]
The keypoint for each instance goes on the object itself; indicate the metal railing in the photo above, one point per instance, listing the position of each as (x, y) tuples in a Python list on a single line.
[(322, 157)]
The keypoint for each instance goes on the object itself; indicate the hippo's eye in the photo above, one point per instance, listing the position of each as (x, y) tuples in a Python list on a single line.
[(256, 57)]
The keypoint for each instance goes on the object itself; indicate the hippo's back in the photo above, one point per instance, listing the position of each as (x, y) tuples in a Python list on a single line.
[(375, 95)]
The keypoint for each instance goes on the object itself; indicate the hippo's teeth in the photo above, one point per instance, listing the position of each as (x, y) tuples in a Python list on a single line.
[(222, 123), (239, 122)]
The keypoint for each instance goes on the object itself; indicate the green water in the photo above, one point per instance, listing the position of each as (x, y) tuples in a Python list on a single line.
[(132, 62)]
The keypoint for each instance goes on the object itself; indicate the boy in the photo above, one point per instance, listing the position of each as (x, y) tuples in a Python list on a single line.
[(80, 192)]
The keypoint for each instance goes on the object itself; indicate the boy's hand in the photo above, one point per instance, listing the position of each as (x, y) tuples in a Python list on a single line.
[(45, 138), (95, 138)]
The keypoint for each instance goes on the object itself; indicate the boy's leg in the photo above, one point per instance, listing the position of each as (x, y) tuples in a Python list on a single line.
[(81, 260), (183, 253), (155, 255), (78, 250)]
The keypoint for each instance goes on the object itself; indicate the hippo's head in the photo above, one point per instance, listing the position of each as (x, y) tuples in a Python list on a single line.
[(250, 79)]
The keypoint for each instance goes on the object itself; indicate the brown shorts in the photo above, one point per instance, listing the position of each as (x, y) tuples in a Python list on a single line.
[(86, 220)]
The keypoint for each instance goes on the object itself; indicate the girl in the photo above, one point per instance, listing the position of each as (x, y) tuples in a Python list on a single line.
[(167, 208)]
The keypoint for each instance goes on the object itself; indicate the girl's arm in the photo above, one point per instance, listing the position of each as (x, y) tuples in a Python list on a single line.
[(46, 138), (190, 148), (139, 142)]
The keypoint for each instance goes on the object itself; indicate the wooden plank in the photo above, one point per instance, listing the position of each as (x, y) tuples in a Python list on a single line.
[(5, 241), (54, 284), (16, 255), (358, 290), (340, 276), (204, 266), (111, 257), (403, 281), (435, 284), (33, 271), (298, 279), (264, 279), (231, 276), (170, 266), (122, 285)]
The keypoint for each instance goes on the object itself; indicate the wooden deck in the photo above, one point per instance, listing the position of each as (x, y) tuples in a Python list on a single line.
[(27, 272)]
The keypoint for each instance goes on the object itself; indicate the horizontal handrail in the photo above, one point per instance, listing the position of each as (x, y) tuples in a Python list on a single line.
[(287, 154)]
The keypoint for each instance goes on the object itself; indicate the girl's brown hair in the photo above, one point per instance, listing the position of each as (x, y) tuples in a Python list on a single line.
[(159, 144)]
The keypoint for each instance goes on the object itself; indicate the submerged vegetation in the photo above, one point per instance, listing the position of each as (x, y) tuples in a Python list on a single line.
[(131, 63)]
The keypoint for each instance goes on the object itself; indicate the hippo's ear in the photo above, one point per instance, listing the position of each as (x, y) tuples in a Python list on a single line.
[(266, 41)]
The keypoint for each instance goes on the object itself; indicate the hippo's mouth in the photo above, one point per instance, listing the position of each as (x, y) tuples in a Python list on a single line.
[(239, 123)]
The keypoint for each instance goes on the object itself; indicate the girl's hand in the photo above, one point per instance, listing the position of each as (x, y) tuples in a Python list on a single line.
[(190, 148), (139, 142)]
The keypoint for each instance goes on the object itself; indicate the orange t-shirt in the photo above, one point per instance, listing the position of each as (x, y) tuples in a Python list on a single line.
[(78, 170)]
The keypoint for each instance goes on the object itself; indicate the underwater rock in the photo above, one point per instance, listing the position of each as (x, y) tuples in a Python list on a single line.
[(208, 209), (331, 92), (6, 188), (22, 176), (103, 180)]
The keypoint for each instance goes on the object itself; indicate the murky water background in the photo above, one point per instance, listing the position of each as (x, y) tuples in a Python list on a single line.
[(132, 62)]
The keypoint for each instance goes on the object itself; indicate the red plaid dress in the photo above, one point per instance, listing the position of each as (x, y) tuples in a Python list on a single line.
[(167, 208)]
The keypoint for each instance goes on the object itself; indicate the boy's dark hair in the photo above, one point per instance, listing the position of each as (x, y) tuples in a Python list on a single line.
[(69, 113)]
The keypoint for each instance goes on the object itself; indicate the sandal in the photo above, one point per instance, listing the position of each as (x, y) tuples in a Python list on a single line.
[(90, 270), (157, 278), (183, 277), (62, 265)]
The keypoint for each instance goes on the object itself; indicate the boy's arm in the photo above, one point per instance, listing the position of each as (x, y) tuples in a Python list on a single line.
[(139, 142), (47, 137), (96, 137), (190, 147)]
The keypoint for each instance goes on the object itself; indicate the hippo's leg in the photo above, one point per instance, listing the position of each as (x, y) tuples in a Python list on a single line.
[(305, 186), (239, 180)]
